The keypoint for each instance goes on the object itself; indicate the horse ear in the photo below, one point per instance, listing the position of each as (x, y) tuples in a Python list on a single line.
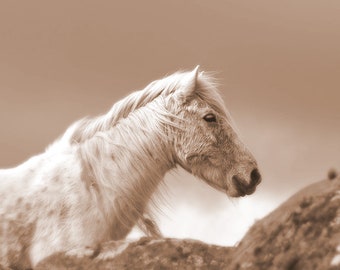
[(189, 84)]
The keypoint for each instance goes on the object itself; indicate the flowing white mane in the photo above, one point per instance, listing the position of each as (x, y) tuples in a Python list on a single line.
[(94, 135), (87, 127)]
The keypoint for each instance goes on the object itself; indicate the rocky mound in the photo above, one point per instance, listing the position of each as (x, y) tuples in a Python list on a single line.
[(303, 233), (149, 253)]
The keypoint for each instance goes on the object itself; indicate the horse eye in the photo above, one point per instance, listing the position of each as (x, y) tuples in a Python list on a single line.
[(210, 117)]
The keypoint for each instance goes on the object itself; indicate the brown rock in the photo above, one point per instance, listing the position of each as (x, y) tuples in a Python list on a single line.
[(303, 233)]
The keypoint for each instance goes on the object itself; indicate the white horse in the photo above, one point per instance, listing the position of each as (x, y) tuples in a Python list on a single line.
[(94, 183)]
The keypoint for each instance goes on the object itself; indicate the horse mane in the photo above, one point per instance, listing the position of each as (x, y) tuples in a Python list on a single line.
[(152, 100), (86, 128)]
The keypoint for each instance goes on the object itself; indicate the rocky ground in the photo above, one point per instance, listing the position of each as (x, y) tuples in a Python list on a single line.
[(303, 233), (150, 253)]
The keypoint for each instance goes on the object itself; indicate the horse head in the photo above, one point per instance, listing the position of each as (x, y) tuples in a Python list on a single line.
[(206, 144)]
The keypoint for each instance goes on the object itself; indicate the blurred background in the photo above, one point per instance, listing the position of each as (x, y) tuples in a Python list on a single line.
[(278, 65)]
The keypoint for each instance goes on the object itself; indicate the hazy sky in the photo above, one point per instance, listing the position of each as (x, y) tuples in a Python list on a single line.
[(278, 64)]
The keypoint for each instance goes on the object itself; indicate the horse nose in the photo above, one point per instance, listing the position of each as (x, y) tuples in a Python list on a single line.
[(244, 187), (255, 178)]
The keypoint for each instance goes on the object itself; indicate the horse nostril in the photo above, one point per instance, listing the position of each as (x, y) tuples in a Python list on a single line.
[(240, 184), (245, 187), (255, 177)]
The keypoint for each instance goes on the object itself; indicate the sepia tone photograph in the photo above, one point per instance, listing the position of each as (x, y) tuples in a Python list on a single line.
[(170, 135)]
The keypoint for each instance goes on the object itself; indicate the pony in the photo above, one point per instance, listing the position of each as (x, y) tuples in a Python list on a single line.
[(94, 183)]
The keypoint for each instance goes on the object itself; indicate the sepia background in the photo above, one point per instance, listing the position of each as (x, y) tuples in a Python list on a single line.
[(278, 63)]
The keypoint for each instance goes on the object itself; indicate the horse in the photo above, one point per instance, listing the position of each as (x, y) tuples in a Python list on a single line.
[(95, 182)]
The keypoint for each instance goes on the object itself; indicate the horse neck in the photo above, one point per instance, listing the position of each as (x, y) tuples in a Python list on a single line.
[(129, 161)]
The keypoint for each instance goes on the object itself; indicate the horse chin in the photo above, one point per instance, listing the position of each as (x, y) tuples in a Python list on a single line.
[(237, 194)]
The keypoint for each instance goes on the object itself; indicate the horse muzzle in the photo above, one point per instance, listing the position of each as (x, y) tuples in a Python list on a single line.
[(245, 187)]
